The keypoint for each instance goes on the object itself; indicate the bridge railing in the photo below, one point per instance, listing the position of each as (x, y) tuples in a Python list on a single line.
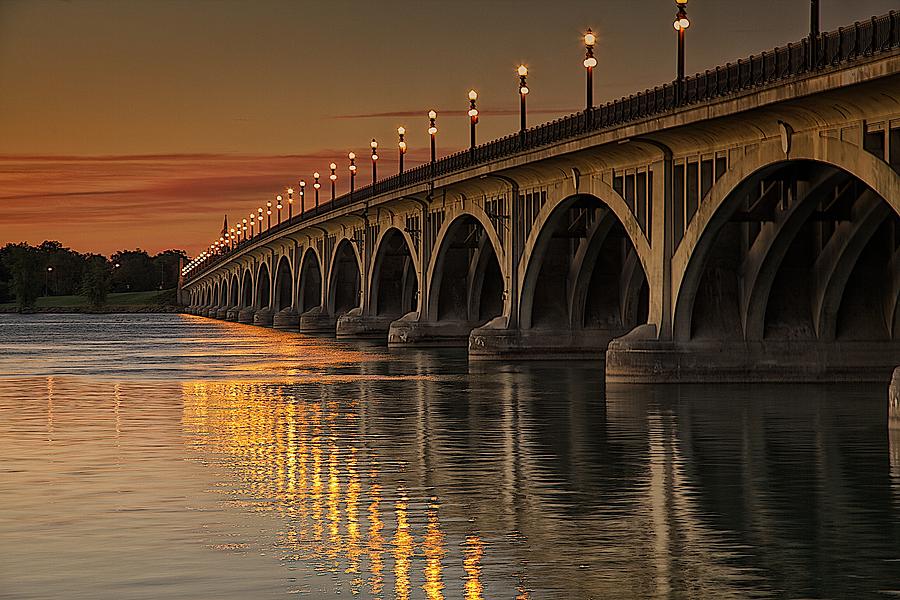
[(831, 49)]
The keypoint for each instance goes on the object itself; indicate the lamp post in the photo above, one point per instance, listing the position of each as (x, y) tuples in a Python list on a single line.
[(522, 71), (302, 184), (401, 145), (278, 206), (352, 168), (432, 130), (374, 145), (252, 222), (233, 237), (290, 192), (681, 24), (317, 185), (473, 119), (244, 230), (333, 178), (259, 229), (268, 216), (589, 63)]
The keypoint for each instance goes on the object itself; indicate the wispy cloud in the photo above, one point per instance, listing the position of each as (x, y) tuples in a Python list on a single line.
[(459, 113), (159, 201)]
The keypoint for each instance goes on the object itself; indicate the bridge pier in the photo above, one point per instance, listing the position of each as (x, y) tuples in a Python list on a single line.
[(287, 319), (264, 317), (317, 320), (222, 312), (232, 314), (245, 315), (355, 325), (635, 358), (494, 341), (410, 331)]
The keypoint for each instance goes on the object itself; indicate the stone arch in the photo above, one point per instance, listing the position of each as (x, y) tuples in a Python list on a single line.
[(467, 282), (394, 285), (284, 284), (584, 268), (247, 290), (828, 162), (223, 292), (344, 278), (309, 294), (263, 286), (234, 291)]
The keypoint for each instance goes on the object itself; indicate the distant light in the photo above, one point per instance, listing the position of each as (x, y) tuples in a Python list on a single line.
[(401, 130), (432, 114), (590, 62), (403, 145), (332, 166), (374, 144), (352, 156), (589, 38), (278, 197), (473, 95), (523, 90), (316, 175), (432, 130), (522, 70), (374, 156), (473, 112), (290, 190)]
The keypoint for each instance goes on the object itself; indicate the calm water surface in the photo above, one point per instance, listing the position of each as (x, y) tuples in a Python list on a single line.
[(161, 456)]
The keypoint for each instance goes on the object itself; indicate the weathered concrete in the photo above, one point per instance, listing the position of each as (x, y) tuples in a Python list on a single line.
[(286, 319), (246, 315), (264, 317), (232, 314), (355, 325), (316, 320)]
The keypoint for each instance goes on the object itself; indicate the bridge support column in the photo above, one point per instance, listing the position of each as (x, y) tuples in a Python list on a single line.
[(232, 313), (317, 320), (287, 319), (246, 315)]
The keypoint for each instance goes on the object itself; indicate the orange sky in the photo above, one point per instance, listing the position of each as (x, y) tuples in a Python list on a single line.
[(137, 123)]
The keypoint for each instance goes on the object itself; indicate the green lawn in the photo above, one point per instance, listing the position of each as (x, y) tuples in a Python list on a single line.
[(124, 299)]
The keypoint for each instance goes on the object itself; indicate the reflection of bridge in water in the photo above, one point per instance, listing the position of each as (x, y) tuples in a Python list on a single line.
[(400, 485), (745, 229)]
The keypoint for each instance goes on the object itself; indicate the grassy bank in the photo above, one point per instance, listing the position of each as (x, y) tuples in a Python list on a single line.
[(152, 301)]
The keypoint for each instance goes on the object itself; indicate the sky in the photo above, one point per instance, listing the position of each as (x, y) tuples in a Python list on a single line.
[(141, 123)]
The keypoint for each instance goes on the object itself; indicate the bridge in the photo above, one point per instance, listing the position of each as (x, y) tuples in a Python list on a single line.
[(741, 223)]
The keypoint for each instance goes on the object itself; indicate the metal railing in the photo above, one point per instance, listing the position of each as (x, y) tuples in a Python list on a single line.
[(831, 49)]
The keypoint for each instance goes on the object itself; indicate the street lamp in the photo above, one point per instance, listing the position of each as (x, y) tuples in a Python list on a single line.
[(432, 130), (259, 230), (681, 24), (244, 230), (813, 34), (374, 146), (268, 216), (302, 184), (473, 119), (252, 222), (317, 185), (290, 192), (278, 205), (233, 238), (589, 63), (333, 178), (352, 168), (522, 71), (401, 133)]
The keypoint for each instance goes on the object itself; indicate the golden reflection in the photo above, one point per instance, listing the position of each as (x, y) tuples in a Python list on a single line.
[(50, 409), (474, 550), (403, 549), (294, 459), (434, 552), (376, 539)]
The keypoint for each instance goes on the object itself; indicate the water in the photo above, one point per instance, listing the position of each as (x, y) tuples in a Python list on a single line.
[(161, 456)]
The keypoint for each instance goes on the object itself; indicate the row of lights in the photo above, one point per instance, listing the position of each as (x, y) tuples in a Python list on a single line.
[(253, 224)]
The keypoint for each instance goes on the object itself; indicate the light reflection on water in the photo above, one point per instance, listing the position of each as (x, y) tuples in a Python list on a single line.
[(163, 456)]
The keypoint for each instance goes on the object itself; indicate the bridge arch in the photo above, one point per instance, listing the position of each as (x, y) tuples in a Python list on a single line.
[(776, 241), (466, 278), (284, 284), (394, 285), (344, 278), (234, 291), (247, 289), (584, 266), (309, 294), (263, 286)]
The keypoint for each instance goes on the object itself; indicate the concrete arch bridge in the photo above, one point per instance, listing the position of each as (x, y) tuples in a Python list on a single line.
[(743, 227)]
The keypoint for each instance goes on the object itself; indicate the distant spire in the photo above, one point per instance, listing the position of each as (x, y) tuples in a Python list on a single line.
[(225, 227)]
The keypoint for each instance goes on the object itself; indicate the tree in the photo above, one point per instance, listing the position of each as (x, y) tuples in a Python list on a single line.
[(95, 285), (24, 265)]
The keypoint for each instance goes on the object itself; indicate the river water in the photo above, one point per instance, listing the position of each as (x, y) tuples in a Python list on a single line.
[(166, 456)]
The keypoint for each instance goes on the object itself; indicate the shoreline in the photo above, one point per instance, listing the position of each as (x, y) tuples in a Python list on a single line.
[(103, 310)]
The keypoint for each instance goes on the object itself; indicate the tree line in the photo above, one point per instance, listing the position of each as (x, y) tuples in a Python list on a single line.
[(51, 269)]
